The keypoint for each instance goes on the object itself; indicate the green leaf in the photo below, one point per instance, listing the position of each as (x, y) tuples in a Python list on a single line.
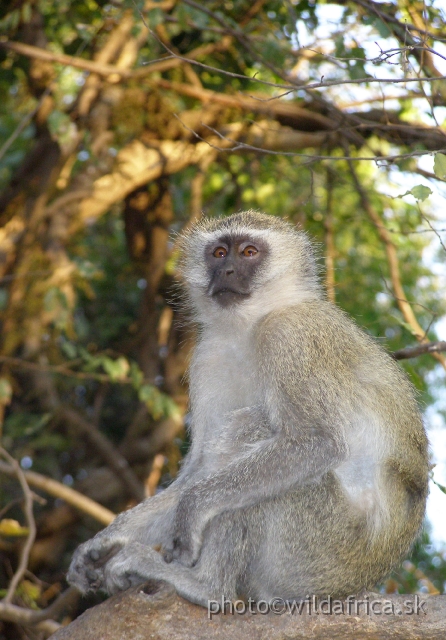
[(116, 369), (155, 17), (24, 424), (146, 393), (339, 47), (61, 127), (159, 404), (30, 592), (420, 192), (440, 166), (152, 399), (54, 299), (3, 299), (26, 12), (50, 441), (357, 52), (357, 70), (136, 375), (382, 28), (69, 349)]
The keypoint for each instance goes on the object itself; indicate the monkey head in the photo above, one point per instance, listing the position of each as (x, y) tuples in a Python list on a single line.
[(246, 262)]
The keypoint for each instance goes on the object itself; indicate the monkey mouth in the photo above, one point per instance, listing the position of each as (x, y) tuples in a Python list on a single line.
[(224, 290), (226, 296)]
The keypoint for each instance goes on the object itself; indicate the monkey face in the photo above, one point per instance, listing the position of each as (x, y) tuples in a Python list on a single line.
[(232, 263)]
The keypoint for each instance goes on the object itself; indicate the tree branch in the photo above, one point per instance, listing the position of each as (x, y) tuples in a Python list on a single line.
[(414, 352), (104, 447), (106, 70), (58, 490), (28, 617)]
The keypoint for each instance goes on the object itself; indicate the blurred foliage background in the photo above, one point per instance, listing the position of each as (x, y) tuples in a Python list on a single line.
[(120, 123)]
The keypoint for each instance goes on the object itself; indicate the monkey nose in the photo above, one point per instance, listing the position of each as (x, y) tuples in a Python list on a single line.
[(229, 271)]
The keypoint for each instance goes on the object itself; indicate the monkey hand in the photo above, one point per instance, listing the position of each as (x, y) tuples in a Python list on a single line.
[(188, 527), (133, 564), (86, 571)]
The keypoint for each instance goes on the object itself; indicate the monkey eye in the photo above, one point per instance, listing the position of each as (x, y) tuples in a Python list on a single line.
[(220, 252), (249, 251)]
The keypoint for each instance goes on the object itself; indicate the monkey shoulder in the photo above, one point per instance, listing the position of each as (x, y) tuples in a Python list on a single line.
[(315, 348), (316, 331)]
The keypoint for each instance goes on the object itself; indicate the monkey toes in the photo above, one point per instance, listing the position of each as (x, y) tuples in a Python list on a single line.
[(86, 571), (100, 556)]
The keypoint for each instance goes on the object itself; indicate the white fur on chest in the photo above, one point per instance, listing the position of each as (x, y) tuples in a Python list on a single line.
[(222, 379)]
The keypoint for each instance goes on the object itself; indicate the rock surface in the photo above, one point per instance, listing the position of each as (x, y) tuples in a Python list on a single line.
[(155, 611)]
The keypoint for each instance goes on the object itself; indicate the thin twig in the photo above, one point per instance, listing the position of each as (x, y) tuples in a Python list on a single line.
[(393, 262), (310, 158), (426, 219), (24, 122), (31, 524), (27, 617), (386, 17)]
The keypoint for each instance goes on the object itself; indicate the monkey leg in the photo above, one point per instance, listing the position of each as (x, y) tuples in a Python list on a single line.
[(136, 563), (314, 541), (216, 574)]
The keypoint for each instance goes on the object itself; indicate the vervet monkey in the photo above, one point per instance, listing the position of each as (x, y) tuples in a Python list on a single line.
[(308, 469)]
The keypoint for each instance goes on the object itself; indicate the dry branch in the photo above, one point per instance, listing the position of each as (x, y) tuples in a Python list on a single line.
[(413, 352), (103, 446), (40, 620), (78, 63), (58, 490), (110, 71), (138, 165), (288, 112)]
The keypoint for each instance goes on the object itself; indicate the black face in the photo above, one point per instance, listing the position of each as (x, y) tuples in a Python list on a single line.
[(232, 263)]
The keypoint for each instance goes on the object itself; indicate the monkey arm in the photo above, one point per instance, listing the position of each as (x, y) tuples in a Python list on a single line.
[(269, 468)]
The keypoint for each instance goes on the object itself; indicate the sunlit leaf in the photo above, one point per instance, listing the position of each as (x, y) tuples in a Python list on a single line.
[(116, 369), (440, 165), (12, 528), (136, 375), (420, 192), (30, 591)]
